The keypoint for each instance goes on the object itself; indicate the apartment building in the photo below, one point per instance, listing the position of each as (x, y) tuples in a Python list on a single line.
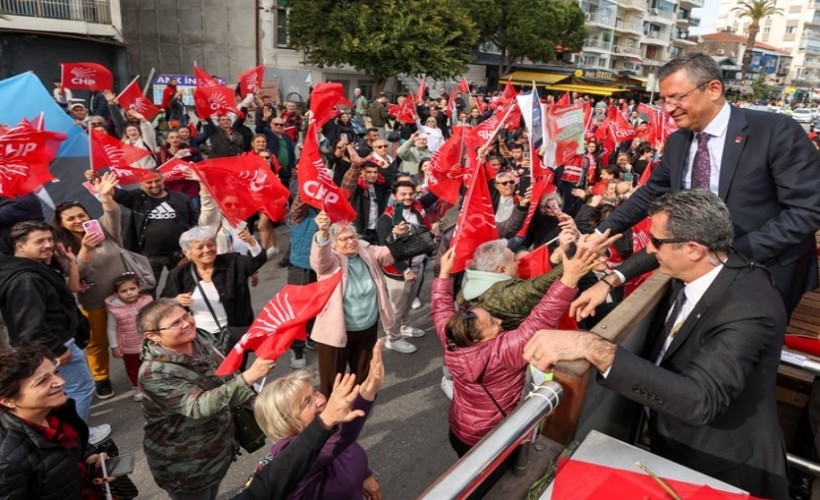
[(796, 31), (636, 36)]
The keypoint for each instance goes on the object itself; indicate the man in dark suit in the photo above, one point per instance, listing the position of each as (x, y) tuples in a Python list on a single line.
[(761, 164), (708, 374)]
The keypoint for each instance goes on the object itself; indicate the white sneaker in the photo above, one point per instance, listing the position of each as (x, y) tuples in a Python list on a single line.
[(97, 435), (416, 304), (409, 331), (399, 345), (272, 251), (297, 361), (447, 386), (137, 395)]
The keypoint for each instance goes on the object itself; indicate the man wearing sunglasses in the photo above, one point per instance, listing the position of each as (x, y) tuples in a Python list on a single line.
[(707, 374), (761, 164)]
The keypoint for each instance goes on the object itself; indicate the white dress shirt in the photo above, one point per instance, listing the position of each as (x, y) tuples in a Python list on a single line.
[(717, 130)]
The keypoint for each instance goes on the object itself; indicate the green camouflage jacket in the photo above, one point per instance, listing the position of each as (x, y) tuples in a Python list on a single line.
[(189, 430), (512, 300)]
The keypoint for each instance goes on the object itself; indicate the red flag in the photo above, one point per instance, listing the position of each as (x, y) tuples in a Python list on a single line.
[(132, 97), (392, 109), (451, 104), (479, 104), (25, 153), (242, 186), (325, 101), (281, 322), (535, 263), (563, 101), (316, 186), (445, 167), (509, 93), (621, 129), (589, 123), (463, 86), (422, 89), (647, 173), (476, 222), (250, 81), (407, 111), (543, 185), (109, 152), (86, 76), (205, 80), (174, 169)]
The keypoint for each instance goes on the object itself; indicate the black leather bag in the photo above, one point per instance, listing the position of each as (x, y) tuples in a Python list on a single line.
[(248, 433), (409, 246)]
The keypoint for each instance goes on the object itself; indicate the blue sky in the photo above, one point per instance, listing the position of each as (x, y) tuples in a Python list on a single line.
[(708, 17)]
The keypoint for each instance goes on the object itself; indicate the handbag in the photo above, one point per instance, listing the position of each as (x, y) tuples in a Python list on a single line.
[(141, 266), (408, 246), (227, 335)]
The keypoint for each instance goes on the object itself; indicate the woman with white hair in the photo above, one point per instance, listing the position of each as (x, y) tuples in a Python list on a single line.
[(347, 328), (215, 286)]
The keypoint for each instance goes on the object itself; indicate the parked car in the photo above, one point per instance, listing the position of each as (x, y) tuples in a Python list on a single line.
[(803, 115)]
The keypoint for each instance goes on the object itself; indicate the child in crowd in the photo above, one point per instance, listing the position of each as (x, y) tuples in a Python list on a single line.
[(125, 342)]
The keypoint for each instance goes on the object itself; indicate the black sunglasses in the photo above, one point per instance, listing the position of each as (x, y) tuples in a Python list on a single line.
[(505, 183), (657, 242)]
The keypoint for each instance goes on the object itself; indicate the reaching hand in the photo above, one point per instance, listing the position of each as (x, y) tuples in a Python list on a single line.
[(446, 263), (323, 223), (259, 369), (371, 489), (105, 185), (375, 377), (337, 409)]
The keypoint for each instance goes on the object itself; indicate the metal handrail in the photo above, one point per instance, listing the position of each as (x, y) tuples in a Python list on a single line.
[(799, 360), (467, 473)]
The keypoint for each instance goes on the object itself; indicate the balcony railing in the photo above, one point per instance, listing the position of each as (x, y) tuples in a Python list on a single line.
[(665, 14), (90, 11), (694, 21), (626, 50), (594, 42), (600, 18), (635, 4), (629, 26)]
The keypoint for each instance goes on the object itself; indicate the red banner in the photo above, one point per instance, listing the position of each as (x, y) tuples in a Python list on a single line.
[(25, 153), (109, 152), (86, 76), (204, 79), (476, 222), (250, 81), (281, 322), (316, 186), (242, 186), (174, 169), (325, 101), (132, 97), (566, 128)]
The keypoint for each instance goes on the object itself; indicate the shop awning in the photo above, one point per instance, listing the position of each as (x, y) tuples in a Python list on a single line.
[(586, 88), (527, 77), (641, 79)]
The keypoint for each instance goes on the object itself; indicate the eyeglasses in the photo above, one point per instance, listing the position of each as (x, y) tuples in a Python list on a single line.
[(266, 157), (657, 242), (177, 323), (274, 124), (505, 183), (380, 146), (676, 101)]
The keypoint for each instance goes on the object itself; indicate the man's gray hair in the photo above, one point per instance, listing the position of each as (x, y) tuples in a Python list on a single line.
[(697, 215), (152, 314), (490, 256), (335, 229), (196, 233), (700, 68)]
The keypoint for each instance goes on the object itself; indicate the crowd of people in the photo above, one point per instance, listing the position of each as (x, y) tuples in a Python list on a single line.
[(72, 300)]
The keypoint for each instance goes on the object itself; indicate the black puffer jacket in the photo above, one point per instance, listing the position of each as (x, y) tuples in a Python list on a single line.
[(32, 467)]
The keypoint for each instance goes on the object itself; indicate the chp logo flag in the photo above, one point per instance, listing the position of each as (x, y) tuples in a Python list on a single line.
[(407, 111), (108, 152), (86, 76), (242, 186), (210, 97), (174, 169), (446, 171), (250, 81), (325, 101), (316, 186), (282, 321), (476, 222), (132, 98), (25, 154)]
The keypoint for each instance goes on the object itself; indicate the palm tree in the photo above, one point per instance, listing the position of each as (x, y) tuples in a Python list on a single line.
[(755, 10)]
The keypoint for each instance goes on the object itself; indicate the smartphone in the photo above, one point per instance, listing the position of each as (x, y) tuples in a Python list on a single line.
[(93, 227), (242, 225), (524, 183), (398, 213), (122, 465)]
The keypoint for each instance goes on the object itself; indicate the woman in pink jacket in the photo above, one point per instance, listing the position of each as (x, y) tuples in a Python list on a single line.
[(347, 328), (487, 363)]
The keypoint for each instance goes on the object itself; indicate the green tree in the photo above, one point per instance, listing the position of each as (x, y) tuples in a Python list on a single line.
[(760, 89), (529, 29), (754, 10), (385, 38)]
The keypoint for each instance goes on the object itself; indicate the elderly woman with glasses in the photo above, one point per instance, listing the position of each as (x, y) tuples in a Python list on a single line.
[(189, 430), (435, 137), (347, 329), (215, 285)]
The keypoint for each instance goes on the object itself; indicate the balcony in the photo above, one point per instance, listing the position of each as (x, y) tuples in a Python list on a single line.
[(652, 62), (629, 27), (694, 21), (640, 5), (691, 4), (659, 15), (597, 45), (601, 18), (627, 50), (656, 38), (88, 11)]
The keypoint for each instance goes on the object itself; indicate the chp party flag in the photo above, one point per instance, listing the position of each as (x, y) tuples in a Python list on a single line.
[(109, 152), (132, 97), (316, 186), (422, 89), (242, 186), (250, 81), (86, 76), (535, 263), (204, 79), (407, 111), (445, 167), (476, 222), (282, 321), (463, 86), (25, 154), (210, 97), (325, 101), (174, 169), (620, 127)]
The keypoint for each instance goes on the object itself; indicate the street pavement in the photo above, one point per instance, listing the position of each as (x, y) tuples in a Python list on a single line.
[(405, 436)]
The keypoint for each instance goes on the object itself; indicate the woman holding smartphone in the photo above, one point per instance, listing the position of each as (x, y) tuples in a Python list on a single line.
[(96, 243)]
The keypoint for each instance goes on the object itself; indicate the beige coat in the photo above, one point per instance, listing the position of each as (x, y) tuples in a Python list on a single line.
[(330, 328)]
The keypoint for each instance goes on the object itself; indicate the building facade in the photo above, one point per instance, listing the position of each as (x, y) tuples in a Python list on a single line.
[(796, 31)]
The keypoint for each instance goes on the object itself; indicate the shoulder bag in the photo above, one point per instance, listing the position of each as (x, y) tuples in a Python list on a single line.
[(139, 265), (408, 246)]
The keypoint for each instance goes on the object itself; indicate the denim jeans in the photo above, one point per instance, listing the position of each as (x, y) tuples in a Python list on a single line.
[(79, 385)]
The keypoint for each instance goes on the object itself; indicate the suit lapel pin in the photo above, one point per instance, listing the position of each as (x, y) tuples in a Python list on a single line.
[(738, 139)]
